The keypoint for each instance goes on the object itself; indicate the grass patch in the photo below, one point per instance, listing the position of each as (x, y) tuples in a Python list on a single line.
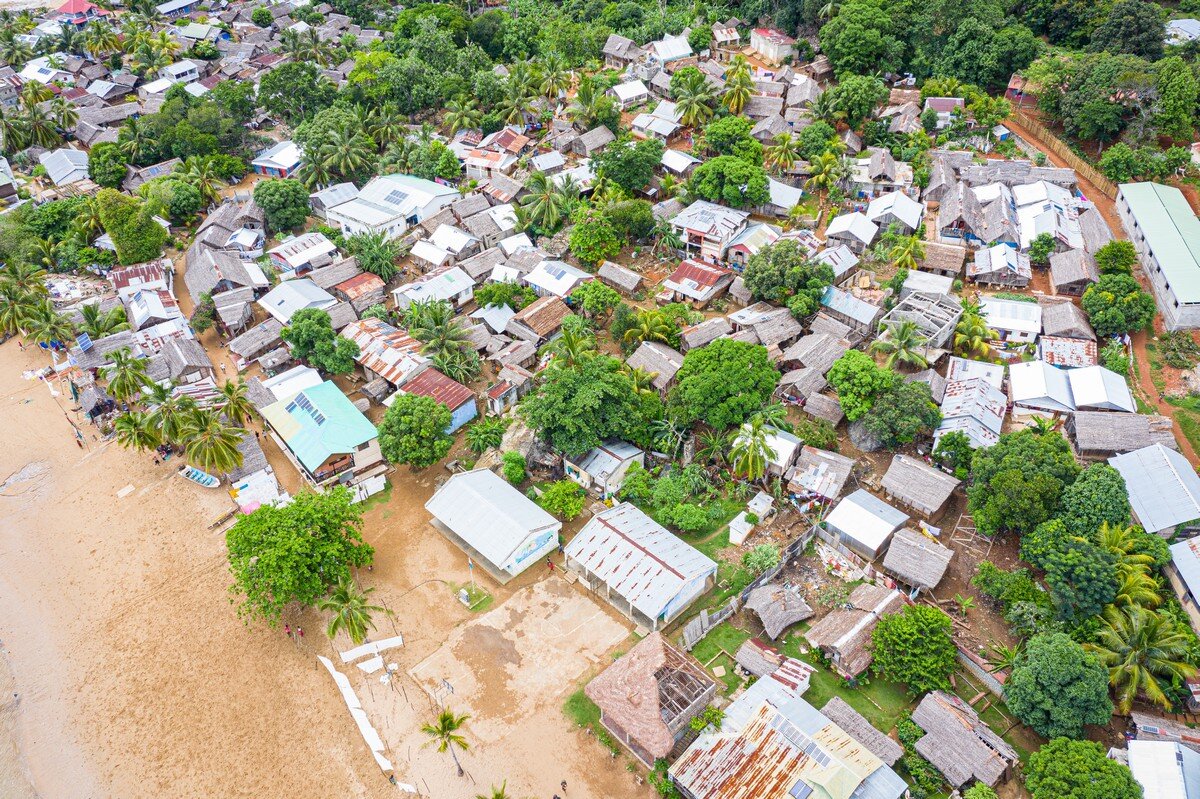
[(478, 600), (375, 500), (712, 544), (582, 711), (1189, 423), (724, 637), (730, 679), (880, 702)]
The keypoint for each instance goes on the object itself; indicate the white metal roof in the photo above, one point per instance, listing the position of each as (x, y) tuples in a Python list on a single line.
[(302, 249), (451, 239), (1099, 388), (292, 382), (1164, 489), (856, 225), (489, 514), (677, 160), (867, 519), (963, 369), (1165, 769), (638, 558), (513, 244), (429, 252), (900, 205), (284, 155), (436, 286), (630, 91), (1012, 315), (556, 277), (1037, 384), (295, 295)]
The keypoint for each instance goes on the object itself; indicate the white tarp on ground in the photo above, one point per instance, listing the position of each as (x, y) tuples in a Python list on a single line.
[(374, 742), (372, 648), (372, 665)]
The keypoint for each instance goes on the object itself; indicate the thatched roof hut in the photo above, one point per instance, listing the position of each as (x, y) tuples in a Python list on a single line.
[(917, 485), (959, 744), (778, 607), (916, 559)]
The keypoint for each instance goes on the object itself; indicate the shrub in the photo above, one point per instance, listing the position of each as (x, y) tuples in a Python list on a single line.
[(564, 498), (514, 467)]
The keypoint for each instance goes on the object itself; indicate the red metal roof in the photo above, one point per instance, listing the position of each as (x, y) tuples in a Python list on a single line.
[(360, 285), (432, 383), (80, 7), (702, 274), (126, 276)]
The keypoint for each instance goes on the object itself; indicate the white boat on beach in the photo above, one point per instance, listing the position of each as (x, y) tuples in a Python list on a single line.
[(198, 477)]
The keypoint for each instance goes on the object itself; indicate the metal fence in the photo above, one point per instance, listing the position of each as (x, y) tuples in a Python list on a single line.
[(695, 630)]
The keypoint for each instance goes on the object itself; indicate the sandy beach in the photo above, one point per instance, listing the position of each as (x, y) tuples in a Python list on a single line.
[(135, 677)]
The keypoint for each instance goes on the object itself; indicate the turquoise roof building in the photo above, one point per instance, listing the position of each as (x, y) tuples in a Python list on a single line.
[(323, 431)]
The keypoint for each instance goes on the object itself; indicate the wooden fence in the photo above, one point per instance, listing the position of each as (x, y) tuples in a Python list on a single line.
[(1048, 139)]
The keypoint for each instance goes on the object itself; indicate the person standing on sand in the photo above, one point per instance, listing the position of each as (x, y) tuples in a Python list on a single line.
[(564, 786)]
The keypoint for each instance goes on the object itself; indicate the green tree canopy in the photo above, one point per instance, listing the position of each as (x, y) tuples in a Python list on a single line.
[(284, 202), (1116, 258), (730, 180), (630, 167), (311, 337), (295, 552), (1134, 27), (413, 431), (1116, 304), (915, 647), (130, 223), (1017, 483), (1097, 496), (1056, 687), (782, 272), (901, 412), (1066, 769), (723, 384), (858, 380), (107, 163), (579, 408)]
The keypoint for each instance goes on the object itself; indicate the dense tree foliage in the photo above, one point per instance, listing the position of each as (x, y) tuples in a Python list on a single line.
[(579, 408), (783, 273), (858, 380), (1116, 304), (1056, 687), (723, 384), (902, 412), (1067, 769), (732, 181), (130, 223), (1018, 482), (284, 202), (310, 335), (915, 647), (294, 553), (413, 431)]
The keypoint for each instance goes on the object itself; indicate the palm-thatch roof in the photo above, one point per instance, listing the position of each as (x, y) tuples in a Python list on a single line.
[(921, 487), (778, 607), (916, 559)]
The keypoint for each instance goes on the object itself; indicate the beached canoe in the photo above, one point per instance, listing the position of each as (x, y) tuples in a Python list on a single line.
[(198, 477)]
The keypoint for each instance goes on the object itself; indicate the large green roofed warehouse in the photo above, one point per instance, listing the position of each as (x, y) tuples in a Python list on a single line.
[(1166, 234)]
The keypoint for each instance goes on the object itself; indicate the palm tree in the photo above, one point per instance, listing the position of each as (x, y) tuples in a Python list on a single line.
[(711, 447), (126, 376), (44, 325), (346, 152), (650, 325), (171, 412), (497, 793), (99, 324), (384, 126), (462, 365), (749, 451), (784, 151), (313, 172), (134, 138), (43, 253), (14, 51), (1002, 657), (100, 39), (445, 733), (642, 381), (351, 611), (12, 133), (235, 403), (200, 173), (739, 88), (87, 223), (435, 327), (971, 336), (26, 277), (15, 307), (40, 129), (694, 100), (905, 253), (556, 78), (515, 104), (1135, 587), (163, 43), (462, 113), (571, 348), (33, 93), (666, 238), (210, 443), (1122, 541), (904, 343), (1142, 650), (147, 59), (587, 99), (826, 172), (547, 201), (136, 430)]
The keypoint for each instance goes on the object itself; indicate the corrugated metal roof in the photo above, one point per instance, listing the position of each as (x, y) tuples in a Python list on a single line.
[(1172, 233), (638, 558), (432, 383), (1164, 489), (489, 514)]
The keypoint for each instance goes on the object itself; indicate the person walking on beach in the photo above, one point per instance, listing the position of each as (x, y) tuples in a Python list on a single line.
[(564, 786), (549, 564)]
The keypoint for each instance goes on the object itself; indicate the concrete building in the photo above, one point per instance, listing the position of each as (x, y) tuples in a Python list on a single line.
[(1166, 234)]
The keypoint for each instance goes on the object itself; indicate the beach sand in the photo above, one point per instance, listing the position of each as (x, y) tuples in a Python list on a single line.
[(137, 679)]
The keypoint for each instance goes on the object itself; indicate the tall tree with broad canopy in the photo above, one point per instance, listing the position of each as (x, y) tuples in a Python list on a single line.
[(1098, 496), (1116, 304), (783, 273), (1017, 483), (1056, 687), (579, 408), (1066, 769), (284, 203), (902, 412), (295, 552), (413, 431), (731, 180), (310, 335), (723, 384), (915, 647), (630, 167), (858, 380)]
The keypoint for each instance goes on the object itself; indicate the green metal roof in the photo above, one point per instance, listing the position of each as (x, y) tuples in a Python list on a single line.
[(319, 422), (1172, 233)]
